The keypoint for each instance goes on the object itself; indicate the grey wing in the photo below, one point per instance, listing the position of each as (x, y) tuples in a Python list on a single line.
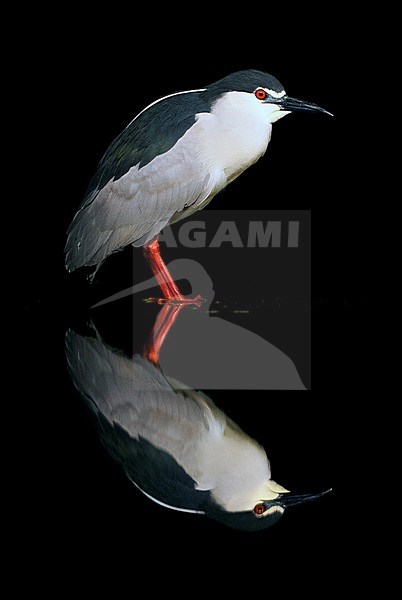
[(136, 207), (136, 396)]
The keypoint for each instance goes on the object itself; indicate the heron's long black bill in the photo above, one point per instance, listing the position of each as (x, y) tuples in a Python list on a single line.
[(287, 500), (295, 105)]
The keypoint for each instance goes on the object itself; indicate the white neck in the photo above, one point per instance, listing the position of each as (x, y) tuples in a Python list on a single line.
[(240, 132)]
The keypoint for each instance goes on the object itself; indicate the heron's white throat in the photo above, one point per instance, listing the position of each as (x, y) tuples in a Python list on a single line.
[(238, 133)]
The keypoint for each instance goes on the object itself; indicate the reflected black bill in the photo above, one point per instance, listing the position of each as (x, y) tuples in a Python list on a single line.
[(295, 105), (294, 499)]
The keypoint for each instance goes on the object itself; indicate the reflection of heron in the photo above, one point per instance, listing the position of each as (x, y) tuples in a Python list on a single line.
[(211, 352), (170, 161), (175, 445)]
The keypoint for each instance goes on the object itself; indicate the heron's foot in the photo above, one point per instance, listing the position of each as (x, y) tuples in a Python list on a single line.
[(177, 301)]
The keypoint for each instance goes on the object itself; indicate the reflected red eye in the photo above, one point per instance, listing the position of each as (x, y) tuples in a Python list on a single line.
[(259, 509), (260, 93)]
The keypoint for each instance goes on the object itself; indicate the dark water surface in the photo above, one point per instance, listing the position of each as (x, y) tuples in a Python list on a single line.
[(250, 336), (86, 498)]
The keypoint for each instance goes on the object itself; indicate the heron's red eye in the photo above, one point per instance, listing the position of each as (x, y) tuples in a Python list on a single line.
[(260, 93), (260, 509)]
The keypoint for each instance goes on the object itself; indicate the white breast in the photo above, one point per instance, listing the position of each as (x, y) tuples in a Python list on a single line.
[(235, 134), (234, 468)]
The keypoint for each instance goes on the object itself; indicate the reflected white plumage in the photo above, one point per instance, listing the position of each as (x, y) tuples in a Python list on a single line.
[(175, 445)]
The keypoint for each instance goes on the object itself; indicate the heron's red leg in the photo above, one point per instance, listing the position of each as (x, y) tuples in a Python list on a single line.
[(163, 277), (165, 281), (163, 324)]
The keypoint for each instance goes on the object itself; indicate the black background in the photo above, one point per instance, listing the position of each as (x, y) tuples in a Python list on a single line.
[(87, 80)]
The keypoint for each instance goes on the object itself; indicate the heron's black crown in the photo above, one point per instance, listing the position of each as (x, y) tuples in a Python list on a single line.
[(243, 81)]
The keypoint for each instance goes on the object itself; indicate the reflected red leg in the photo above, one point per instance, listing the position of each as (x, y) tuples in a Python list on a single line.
[(163, 324), (163, 277)]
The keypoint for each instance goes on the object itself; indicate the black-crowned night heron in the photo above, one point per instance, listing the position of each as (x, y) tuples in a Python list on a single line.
[(170, 161), (174, 444)]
